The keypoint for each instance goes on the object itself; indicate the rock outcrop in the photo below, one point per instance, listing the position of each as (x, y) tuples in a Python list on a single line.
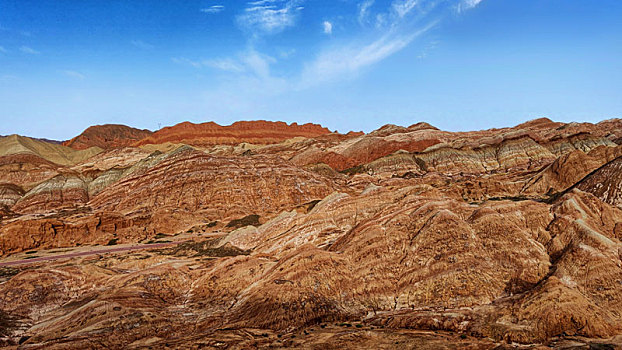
[(190, 183), (61, 155), (59, 192), (259, 132), (606, 183), (107, 136), (297, 237)]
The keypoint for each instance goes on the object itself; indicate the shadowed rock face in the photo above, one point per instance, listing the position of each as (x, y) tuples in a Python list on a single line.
[(403, 237), (606, 183)]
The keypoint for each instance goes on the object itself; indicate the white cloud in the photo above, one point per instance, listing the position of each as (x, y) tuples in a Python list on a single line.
[(213, 9), (364, 11), (349, 60), (426, 50), (73, 74), (224, 64), (254, 76), (467, 4), (328, 27), (29, 50), (381, 20), (270, 16), (188, 62), (257, 63), (249, 62), (142, 45), (285, 54), (403, 7)]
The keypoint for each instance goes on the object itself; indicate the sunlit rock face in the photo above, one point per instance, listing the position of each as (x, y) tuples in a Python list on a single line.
[(289, 235), (108, 136), (259, 132)]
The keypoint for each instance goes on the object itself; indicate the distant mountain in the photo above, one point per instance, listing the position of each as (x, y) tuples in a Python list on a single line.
[(256, 132), (107, 137), (56, 142), (50, 151)]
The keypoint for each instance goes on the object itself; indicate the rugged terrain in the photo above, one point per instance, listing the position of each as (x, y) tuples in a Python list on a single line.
[(294, 236)]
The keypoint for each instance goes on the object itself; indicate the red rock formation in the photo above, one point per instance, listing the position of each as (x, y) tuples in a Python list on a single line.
[(26, 170), (605, 183), (478, 239), (107, 137), (59, 192), (256, 132), (191, 183)]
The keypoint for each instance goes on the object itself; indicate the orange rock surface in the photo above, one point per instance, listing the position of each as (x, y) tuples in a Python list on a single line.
[(107, 136), (405, 237), (260, 132)]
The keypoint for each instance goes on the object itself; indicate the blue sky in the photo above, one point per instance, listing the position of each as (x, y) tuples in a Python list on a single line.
[(347, 64)]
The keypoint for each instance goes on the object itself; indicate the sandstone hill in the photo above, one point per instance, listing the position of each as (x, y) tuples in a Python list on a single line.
[(107, 137), (260, 132), (52, 152), (405, 237)]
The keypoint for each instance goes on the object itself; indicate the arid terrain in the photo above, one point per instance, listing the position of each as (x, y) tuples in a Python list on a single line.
[(268, 235)]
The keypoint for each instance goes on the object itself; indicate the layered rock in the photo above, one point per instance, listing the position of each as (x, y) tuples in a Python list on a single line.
[(569, 169), (9, 195), (26, 170), (259, 132), (20, 145), (71, 228), (192, 183), (61, 191), (484, 239), (605, 183), (107, 136)]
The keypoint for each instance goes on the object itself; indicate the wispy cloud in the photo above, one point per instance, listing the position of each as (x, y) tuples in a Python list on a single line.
[(73, 74), (403, 7), (187, 62), (250, 76), (29, 50), (142, 45), (349, 60), (364, 7), (285, 54), (467, 5), (3, 50), (270, 16), (427, 49), (213, 9), (250, 62), (396, 27), (328, 27), (225, 64)]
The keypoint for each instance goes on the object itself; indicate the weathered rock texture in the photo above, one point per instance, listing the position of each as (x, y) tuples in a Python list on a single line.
[(52, 152), (107, 137), (406, 237), (261, 132)]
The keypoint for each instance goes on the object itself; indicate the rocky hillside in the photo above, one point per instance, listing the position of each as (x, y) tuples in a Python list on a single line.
[(107, 137), (52, 152), (293, 236), (256, 132)]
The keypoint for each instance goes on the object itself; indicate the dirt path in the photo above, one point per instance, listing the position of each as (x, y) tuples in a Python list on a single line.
[(87, 253)]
